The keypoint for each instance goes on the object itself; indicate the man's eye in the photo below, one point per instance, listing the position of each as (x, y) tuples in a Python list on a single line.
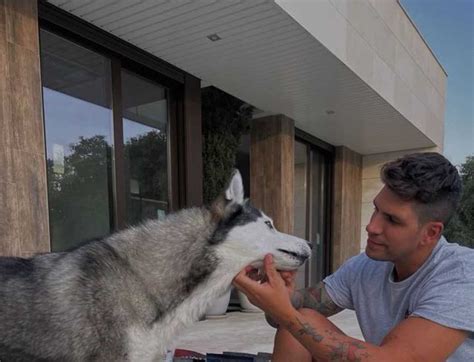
[(269, 224), (391, 219)]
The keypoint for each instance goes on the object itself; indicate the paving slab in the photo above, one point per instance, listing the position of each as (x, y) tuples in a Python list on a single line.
[(247, 332)]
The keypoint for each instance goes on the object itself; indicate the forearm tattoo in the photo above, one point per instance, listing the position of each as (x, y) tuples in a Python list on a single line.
[(306, 329), (316, 298), (339, 351), (348, 351)]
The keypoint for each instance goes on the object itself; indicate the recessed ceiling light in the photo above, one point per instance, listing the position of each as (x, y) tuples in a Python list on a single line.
[(214, 37), (330, 111)]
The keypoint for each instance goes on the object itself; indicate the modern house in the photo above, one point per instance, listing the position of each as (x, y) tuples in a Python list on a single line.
[(100, 117)]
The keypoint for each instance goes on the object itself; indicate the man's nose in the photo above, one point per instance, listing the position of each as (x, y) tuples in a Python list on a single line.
[(374, 226)]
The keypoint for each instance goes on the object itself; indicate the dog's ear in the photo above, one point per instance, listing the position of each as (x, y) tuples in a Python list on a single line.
[(233, 195), (235, 190)]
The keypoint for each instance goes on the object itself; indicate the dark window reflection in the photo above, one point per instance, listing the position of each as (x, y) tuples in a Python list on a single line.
[(311, 204), (300, 202), (319, 217), (145, 121), (76, 96)]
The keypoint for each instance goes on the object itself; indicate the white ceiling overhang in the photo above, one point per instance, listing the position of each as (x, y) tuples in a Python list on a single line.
[(265, 58)]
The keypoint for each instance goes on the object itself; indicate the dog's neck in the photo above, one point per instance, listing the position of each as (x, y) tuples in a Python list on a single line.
[(162, 335)]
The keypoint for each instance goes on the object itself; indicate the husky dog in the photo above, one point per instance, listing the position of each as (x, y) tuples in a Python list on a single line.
[(125, 297)]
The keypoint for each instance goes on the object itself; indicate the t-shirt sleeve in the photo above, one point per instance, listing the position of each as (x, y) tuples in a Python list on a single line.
[(448, 299), (338, 285)]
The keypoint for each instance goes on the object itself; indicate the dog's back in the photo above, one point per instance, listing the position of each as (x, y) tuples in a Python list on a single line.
[(21, 284), (82, 304), (59, 307)]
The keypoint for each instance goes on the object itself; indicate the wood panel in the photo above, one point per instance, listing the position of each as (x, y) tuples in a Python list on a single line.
[(272, 169), (24, 226), (347, 198)]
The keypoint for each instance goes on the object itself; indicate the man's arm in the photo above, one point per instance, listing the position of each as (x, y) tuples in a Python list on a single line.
[(414, 339), (317, 299)]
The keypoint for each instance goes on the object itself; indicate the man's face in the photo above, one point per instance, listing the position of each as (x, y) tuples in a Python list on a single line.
[(393, 232)]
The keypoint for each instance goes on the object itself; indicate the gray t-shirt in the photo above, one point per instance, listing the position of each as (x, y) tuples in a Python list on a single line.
[(442, 290)]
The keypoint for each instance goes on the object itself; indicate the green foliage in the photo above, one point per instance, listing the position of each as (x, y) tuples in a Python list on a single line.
[(78, 196), (225, 119), (146, 164), (461, 228), (146, 160)]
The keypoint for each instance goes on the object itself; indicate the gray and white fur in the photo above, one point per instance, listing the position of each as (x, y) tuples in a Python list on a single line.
[(124, 298)]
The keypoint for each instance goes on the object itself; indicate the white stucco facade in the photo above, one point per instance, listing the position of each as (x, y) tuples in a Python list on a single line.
[(377, 40)]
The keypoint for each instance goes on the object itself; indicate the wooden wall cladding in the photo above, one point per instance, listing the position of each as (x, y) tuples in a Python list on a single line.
[(24, 226), (272, 168), (347, 200)]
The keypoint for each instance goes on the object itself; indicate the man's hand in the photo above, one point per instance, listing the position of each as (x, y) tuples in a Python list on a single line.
[(272, 294)]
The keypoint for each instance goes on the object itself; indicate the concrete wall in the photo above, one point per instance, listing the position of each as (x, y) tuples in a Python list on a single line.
[(377, 40), (371, 184)]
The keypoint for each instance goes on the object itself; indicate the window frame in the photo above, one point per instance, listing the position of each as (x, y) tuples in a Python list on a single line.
[(123, 55), (328, 151)]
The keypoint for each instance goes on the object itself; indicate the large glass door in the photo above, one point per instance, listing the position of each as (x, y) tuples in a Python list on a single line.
[(92, 108), (145, 133), (77, 115), (312, 209)]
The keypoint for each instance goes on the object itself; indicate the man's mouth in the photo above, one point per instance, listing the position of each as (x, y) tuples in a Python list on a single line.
[(372, 242)]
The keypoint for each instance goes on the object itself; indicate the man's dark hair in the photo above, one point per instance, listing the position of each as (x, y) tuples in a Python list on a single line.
[(430, 180)]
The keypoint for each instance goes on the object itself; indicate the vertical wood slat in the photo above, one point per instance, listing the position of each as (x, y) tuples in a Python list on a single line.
[(272, 169), (347, 198), (24, 228)]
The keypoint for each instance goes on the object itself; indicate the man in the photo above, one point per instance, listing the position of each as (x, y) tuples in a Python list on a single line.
[(412, 291)]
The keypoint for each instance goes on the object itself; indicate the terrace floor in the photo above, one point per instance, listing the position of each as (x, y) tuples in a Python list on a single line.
[(246, 332)]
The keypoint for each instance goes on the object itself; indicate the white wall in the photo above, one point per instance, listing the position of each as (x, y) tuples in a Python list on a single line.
[(376, 39)]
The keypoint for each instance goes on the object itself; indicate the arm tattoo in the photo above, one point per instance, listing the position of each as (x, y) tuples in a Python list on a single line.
[(353, 351), (348, 351), (307, 329), (317, 298)]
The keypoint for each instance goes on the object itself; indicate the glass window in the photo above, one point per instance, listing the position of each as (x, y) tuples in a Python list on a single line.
[(77, 114), (311, 217), (145, 129), (319, 217)]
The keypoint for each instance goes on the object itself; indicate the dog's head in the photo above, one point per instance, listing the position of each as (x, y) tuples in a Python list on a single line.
[(244, 234)]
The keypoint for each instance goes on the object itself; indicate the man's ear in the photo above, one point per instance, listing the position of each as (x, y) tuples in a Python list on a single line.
[(433, 231)]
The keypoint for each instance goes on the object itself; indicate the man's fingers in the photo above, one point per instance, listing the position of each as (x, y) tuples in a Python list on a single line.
[(270, 269), (288, 276), (242, 281)]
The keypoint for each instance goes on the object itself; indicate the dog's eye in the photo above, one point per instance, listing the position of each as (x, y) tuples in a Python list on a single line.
[(269, 224)]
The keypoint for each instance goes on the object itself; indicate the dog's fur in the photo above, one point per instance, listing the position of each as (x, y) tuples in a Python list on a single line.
[(125, 297)]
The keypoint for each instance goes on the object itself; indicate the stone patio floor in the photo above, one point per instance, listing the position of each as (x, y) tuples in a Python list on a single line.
[(246, 332)]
